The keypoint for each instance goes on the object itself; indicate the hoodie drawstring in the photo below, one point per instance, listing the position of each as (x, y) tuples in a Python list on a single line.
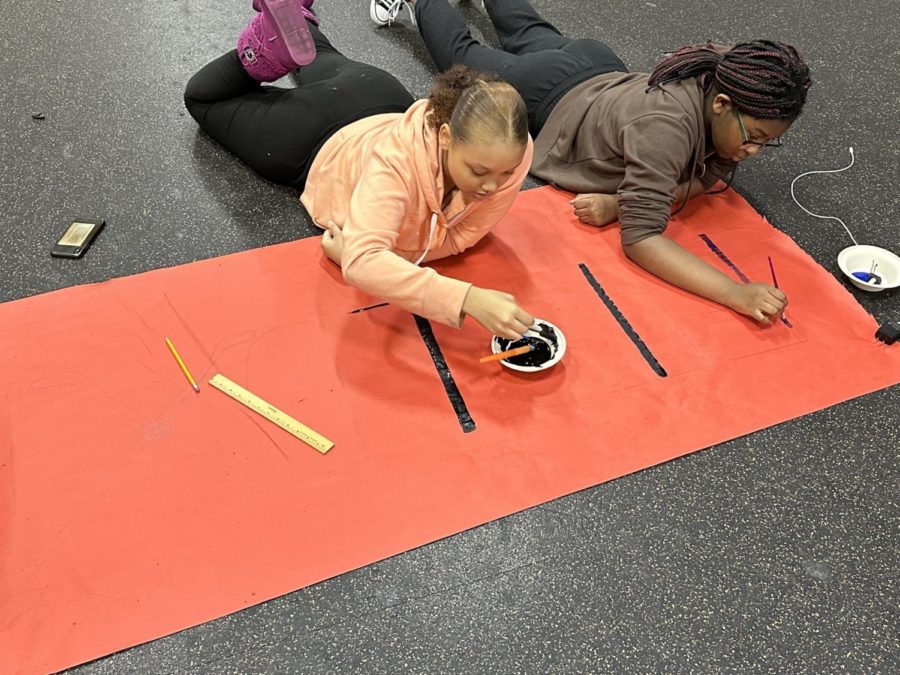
[(434, 217)]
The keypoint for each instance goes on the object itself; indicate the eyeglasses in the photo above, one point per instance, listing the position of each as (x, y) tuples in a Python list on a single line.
[(774, 143)]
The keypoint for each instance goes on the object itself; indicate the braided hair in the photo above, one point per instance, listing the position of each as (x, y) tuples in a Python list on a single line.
[(764, 79)]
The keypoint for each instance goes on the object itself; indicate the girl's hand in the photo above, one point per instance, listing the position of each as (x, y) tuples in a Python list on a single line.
[(758, 301), (333, 242), (497, 312), (596, 209)]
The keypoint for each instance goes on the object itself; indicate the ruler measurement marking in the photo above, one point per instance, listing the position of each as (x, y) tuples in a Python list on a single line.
[(271, 413)]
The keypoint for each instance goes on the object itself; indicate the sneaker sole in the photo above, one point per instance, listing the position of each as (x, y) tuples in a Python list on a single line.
[(291, 23)]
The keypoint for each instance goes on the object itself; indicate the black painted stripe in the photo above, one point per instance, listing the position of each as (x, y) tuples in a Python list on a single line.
[(366, 309), (623, 322), (725, 259), (440, 363)]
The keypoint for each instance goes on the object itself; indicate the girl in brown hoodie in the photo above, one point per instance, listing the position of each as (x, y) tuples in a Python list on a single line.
[(395, 182), (630, 144)]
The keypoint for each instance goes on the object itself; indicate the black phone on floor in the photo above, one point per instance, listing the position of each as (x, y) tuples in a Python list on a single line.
[(77, 238)]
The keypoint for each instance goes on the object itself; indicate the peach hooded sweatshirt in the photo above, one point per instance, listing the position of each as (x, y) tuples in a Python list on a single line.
[(381, 178)]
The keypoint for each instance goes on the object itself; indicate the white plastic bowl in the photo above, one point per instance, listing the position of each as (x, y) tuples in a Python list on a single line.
[(559, 352), (859, 259)]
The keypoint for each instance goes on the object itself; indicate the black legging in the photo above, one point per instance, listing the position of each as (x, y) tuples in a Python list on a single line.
[(536, 59), (278, 132)]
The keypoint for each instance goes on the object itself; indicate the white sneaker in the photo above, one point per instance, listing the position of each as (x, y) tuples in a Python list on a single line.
[(384, 12)]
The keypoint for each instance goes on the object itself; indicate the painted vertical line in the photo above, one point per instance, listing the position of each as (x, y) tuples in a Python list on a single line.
[(453, 393), (623, 322), (725, 259)]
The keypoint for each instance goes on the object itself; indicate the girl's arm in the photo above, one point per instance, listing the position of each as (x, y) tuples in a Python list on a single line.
[(370, 234), (670, 262), (369, 238), (645, 198), (599, 209), (689, 190), (497, 311)]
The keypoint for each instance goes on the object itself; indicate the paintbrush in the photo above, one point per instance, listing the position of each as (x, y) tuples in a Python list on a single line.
[(775, 283), (507, 354)]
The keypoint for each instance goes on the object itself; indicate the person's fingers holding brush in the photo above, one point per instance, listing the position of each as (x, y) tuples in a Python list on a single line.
[(759, 301), (497, 312), (779, 299), (523, 322), (770, 304)]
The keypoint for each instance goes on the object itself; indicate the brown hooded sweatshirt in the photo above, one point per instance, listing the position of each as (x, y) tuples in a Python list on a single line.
[(610, 135)]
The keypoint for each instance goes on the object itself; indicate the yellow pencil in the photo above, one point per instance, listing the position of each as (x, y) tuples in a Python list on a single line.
[(184, 369)]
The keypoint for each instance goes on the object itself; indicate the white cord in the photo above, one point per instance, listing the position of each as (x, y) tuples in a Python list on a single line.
[(816, 215), (430, 237)]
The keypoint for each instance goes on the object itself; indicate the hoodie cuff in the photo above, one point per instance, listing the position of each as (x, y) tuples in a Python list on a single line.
[(444, 300)]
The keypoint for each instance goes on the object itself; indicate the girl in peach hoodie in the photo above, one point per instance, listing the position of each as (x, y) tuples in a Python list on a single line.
[(393, 181)]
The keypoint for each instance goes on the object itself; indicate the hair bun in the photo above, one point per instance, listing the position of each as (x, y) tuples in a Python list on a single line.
[(449, 86), (460, 77), (478, 104)]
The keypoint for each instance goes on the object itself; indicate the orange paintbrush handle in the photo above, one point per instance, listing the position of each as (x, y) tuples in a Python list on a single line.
[(505, 355)]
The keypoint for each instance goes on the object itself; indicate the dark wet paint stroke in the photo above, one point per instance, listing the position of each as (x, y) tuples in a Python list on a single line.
[(440, 363), (623, 322), (366, 309), (725, 259)]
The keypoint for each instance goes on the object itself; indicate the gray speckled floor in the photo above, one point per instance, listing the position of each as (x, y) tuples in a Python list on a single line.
[(776, 552)]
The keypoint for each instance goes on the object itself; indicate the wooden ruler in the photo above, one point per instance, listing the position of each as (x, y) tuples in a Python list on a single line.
[(271, 413)]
